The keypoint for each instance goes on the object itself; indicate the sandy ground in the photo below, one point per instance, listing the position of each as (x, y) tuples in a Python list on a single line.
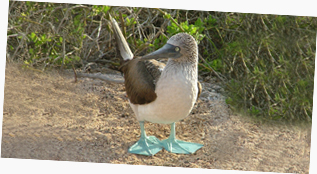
[(48, 116)]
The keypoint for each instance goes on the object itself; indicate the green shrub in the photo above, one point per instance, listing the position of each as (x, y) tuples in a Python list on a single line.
[(271, 66)]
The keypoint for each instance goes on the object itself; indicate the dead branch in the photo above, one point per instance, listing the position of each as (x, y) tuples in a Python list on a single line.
[(99, 76)]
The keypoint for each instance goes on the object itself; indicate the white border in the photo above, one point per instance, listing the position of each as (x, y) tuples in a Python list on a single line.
[(284, 7)]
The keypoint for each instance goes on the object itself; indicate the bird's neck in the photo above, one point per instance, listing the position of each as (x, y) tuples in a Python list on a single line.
[(187, 69)]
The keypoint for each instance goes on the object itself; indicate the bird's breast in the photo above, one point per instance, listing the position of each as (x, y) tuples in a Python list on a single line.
[(176, 88), (176, 96)]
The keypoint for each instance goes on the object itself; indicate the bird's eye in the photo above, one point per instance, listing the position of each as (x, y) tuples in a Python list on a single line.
[(177, 49)]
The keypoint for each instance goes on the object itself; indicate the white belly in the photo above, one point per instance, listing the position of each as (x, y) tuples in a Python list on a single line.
[(176, 97)]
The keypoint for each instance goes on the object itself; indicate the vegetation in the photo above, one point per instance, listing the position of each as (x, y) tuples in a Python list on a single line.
[(265, 62)]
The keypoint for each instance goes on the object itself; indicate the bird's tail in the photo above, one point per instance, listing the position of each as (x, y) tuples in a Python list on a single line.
[(122, 44)]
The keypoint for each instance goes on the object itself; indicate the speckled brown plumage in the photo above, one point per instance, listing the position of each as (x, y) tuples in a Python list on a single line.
[(140, 90), (155, 68)]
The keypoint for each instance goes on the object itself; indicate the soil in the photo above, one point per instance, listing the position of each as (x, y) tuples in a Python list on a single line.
[(50, 117)]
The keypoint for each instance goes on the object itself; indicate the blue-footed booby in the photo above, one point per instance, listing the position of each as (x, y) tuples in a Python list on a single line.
[(161, 93)]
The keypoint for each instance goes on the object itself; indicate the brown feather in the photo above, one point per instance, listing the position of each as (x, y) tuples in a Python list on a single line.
[(141, 90), (155, 68)]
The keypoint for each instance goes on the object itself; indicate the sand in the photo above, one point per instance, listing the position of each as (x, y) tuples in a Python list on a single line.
[(47, 116)]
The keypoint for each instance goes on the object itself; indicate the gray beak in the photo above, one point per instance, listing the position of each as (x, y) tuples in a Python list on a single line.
[(167, 51)]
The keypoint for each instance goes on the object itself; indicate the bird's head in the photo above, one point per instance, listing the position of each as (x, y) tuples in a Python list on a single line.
[(181, 47)]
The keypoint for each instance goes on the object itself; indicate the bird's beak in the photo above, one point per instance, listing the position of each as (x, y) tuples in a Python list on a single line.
[(167, 51)]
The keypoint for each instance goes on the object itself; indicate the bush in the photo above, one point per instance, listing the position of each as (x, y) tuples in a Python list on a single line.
[(265, 62), (271, 66)]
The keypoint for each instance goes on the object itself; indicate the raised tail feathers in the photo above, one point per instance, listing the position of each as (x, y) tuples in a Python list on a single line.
[(122, 44)]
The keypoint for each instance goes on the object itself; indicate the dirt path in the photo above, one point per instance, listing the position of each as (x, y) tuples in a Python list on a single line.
[(47, 116)]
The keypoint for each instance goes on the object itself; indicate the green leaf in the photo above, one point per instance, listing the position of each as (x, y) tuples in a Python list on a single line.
[(31, 51), (167, 16), (106, 9)]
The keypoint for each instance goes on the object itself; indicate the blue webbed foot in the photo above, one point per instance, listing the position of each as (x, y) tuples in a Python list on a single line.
[(178, 146), (147, 145), (173, 145)]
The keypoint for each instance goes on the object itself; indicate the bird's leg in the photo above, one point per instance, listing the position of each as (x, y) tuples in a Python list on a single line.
[(173, 145), (146, 145)]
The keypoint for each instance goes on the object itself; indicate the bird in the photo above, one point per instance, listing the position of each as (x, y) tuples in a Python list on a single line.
[(161, 93)]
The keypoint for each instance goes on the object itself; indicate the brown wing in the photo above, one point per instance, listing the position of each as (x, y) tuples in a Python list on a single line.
[(155, 68), (140, 78)]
